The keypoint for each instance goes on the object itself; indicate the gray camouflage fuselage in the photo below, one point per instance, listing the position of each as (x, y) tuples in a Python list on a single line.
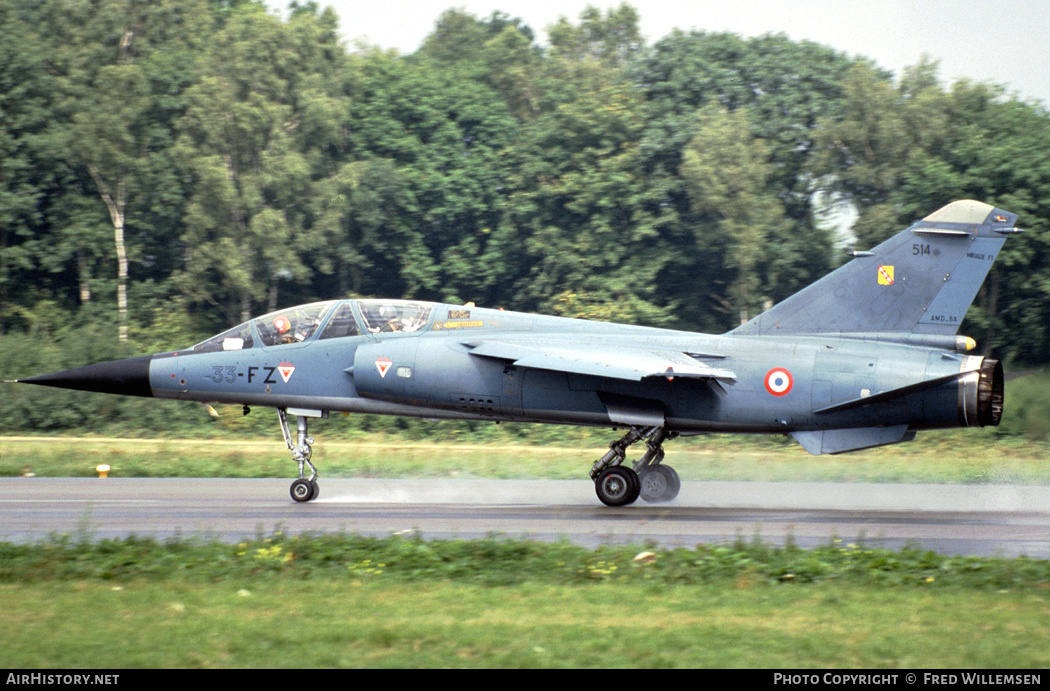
[(433, 374)]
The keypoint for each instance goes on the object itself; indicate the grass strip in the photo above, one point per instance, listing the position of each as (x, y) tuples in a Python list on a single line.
[(502, 561), (350, 601)]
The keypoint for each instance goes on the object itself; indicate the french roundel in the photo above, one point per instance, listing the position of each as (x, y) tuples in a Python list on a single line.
[(779, 381)]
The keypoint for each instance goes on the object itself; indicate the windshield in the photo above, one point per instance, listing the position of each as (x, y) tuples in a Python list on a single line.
[(237, 338)]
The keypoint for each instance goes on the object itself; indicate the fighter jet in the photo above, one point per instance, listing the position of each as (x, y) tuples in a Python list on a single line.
[(866, 356)]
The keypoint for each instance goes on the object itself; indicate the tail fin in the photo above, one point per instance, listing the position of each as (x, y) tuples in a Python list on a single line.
[(920, 281)]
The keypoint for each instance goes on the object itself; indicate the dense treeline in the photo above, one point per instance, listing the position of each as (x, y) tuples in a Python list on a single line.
[(171, 167)]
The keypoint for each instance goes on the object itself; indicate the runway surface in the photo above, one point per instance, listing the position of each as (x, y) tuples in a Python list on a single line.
[(951, 519)]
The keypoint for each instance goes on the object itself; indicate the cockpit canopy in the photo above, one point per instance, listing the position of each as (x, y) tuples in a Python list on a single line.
[(332, 319), (385, 316)]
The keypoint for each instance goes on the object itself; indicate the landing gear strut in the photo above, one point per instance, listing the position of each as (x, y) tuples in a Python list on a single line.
[(618, 485), (303, 489)]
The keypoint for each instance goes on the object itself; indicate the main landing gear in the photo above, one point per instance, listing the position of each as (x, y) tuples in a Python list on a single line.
[(620, 485), (303, 489)]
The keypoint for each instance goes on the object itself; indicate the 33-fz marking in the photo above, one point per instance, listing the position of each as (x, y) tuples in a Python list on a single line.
[(228, 374)]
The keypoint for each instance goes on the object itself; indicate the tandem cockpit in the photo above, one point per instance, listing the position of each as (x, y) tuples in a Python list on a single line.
[(315, 321), (331, 319)]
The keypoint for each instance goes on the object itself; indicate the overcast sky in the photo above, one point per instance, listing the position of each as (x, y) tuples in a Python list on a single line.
[(1000, 41)]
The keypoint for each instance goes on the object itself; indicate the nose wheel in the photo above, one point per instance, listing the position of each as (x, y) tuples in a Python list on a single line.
[(304, 490)]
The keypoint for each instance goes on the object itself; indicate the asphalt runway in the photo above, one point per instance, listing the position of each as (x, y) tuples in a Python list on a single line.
[(984, 520)]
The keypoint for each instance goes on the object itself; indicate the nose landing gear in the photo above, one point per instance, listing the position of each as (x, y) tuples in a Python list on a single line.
[(305, 488)]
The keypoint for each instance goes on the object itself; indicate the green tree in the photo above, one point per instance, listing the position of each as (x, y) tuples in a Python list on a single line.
[(613, 39), (106, 131), (862, 152), (26, 107), (443, 138), (244, 143), (785, 87), (579, 209), (102, 69), (119, 120), (726, 171)]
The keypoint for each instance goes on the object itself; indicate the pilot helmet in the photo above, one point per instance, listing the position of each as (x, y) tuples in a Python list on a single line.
[(282, 324)]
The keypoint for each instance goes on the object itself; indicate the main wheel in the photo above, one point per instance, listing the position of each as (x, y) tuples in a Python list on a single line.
[(617, 486), (303, 490), (676, 483), (660, 484)]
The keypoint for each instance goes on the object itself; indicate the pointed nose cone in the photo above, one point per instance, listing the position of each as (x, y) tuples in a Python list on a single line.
[(126, 377)]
